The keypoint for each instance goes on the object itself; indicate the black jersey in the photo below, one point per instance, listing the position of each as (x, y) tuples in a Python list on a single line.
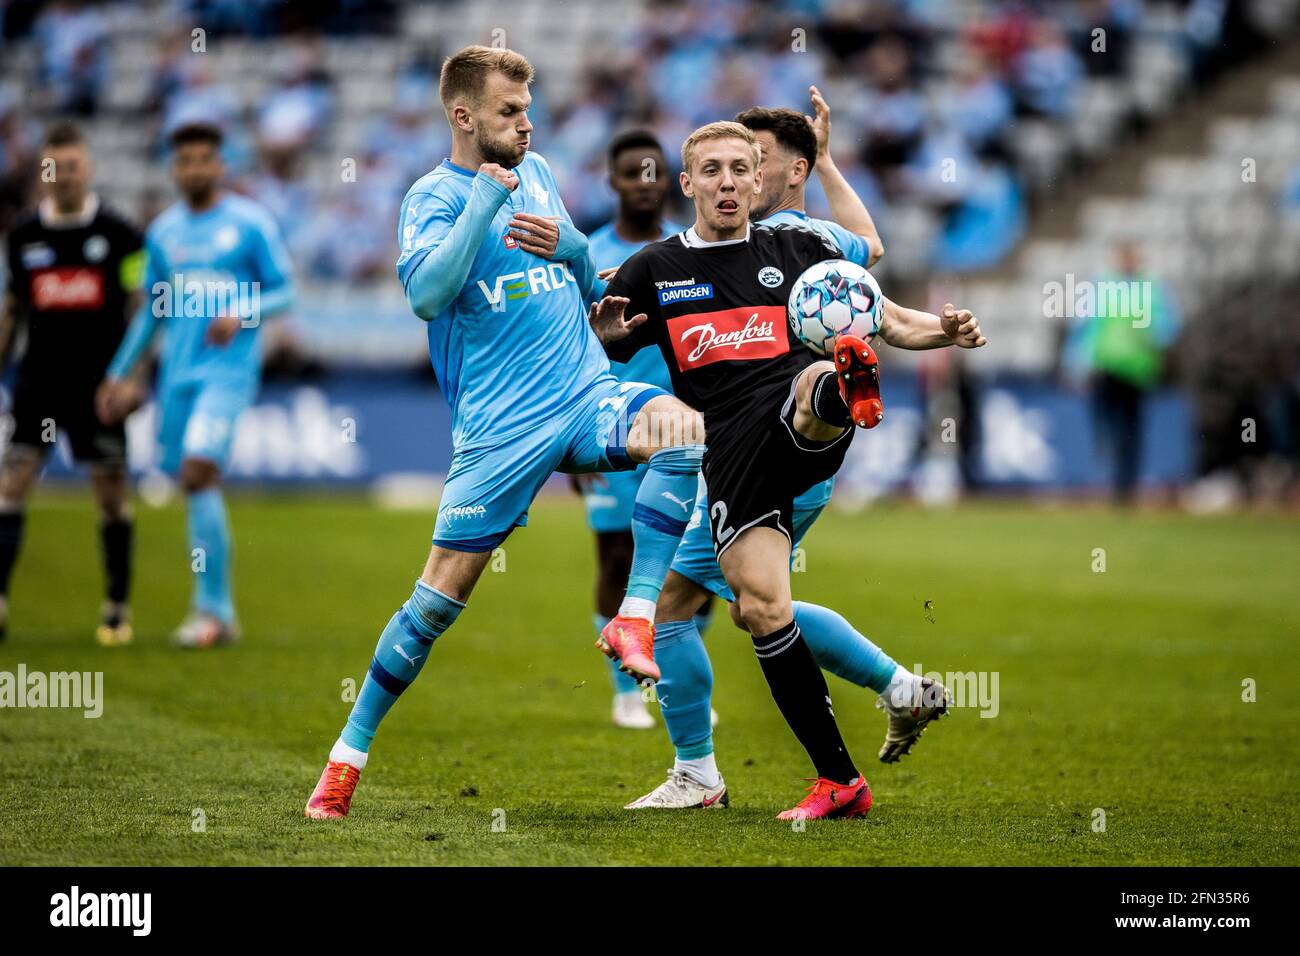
[(717, 312), (72, 284)]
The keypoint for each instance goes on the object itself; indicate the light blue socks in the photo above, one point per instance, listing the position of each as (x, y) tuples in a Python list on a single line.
[(399, 657), (663, 507), (685, 687), (210, 553), (841, 650)]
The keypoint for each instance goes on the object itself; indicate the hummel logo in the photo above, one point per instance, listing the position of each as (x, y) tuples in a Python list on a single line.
[(407, 657), (684, 505)]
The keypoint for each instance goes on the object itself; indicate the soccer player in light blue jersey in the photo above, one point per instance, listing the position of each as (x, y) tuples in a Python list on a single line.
[(638, 177), (492, 262), (215, 268), (792, 146)]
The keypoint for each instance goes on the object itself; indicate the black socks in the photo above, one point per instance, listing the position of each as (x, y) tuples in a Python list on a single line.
[(115, 544), (801, 695), (11, 538), (827, 403)]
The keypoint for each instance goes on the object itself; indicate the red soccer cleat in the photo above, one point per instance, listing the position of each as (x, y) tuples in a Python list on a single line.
[(826, 798), (859, 378), (631, 642), (332, 797)]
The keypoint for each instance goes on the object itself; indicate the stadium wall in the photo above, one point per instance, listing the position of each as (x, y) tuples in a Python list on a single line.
[(363, 429)]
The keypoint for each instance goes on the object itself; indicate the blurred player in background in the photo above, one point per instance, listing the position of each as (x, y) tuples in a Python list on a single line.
[(492, 262), (215, 269), (778, 422), (74, 267), (638, 175)]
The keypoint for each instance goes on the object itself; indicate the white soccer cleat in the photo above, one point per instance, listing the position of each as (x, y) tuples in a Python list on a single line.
[(680, 792), (908, 719), (200, 630), (631, 712)]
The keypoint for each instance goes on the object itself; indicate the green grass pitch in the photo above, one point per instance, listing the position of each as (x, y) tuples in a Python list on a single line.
[(1119, 690)]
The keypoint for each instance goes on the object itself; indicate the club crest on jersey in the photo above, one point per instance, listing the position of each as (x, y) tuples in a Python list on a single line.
[(732, 335), (542, 196), (95, 249), (771, 276)]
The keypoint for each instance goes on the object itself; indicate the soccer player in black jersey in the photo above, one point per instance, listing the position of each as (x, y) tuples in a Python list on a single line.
[(777, 419), (75, 267)]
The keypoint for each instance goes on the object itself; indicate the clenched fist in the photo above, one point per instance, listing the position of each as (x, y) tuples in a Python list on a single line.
[(962, 327), (502, 175)]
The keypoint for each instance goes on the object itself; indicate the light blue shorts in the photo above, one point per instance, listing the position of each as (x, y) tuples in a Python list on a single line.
[(197, 420), (489, 489)]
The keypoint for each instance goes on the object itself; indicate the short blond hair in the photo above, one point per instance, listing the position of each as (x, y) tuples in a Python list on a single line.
[(464, 74), (724, 129)]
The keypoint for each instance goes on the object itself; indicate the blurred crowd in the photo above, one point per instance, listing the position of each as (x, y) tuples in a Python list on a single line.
[(915, 98), (921, 106)]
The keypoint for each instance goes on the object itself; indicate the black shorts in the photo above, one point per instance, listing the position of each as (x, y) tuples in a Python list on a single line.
[(41, 413), (755, 467)]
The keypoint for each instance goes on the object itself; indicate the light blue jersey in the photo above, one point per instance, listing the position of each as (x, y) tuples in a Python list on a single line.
[(509, 341), (855, 248), (609, 249), (224, 260), (528, 382)]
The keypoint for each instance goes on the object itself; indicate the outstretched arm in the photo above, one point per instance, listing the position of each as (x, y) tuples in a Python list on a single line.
[(846, 208), (916, 330)]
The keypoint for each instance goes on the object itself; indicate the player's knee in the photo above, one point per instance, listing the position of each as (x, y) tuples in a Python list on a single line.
[(198, 475), (734, 610), (110, 487), (678, 601), (18, 476), (761, 615), (803, 387), (666, 423)]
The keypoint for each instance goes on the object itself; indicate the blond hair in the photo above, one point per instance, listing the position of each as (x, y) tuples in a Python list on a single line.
[(724, 129), (465, 73)]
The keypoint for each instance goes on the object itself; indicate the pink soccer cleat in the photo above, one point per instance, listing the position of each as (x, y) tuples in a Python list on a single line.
[(631, 641), (332, 797), (826, 798)]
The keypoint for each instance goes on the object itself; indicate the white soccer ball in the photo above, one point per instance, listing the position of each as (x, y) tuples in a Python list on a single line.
[(832, 298)]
